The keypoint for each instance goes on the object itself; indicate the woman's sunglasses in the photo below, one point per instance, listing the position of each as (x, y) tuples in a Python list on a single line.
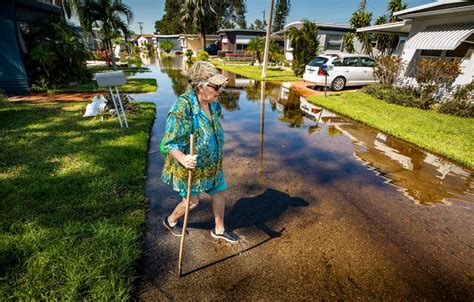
[(217, 88)]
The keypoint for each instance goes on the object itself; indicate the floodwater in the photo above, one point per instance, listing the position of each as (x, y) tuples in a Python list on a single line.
[(327, 208)]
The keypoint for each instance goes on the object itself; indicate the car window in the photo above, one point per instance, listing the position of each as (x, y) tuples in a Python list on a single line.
[(351, 61), (367, 62), (318, 61), (337, 62)]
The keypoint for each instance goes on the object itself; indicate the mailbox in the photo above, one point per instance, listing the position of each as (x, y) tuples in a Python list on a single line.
[(114, 79), (110, 79)]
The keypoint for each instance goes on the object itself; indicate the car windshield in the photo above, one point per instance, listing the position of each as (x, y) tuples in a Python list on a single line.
[(318, 61)]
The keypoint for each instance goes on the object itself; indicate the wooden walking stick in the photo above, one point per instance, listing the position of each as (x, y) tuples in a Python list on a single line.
[(186, 214)]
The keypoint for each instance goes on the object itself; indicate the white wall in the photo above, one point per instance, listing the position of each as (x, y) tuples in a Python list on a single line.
[(410, 56)]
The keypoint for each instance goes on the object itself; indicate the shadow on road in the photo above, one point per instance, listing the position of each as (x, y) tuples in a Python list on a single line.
[(257, 211)]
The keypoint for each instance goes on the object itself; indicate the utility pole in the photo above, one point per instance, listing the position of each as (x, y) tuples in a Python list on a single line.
[(267, 41), (141, 27), (263, 20)]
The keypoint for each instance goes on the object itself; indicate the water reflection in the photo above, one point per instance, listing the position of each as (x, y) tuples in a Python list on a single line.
[(174, 68), (422, 176), (237, 81), (316, 133)]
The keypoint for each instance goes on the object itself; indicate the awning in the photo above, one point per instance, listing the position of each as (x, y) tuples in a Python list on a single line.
[(441, 37), (398, 28)]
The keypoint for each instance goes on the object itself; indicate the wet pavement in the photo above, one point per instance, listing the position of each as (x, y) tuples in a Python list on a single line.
[(327, 208)]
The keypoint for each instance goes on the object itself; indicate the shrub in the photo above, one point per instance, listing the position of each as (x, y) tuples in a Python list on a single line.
[(136, 51), (57, 54), (189, 55), (150, 48), (408, 97), (167, 46), (40, 85), (305, 46), (3, 99), (136, 60), (388, 68), (202, 55), (462, 102), (435, 77)]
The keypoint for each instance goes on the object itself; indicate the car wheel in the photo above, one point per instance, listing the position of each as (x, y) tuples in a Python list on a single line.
[(338, 84)]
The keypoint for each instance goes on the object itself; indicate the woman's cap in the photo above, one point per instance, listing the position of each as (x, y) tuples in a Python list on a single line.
[(203, 71)]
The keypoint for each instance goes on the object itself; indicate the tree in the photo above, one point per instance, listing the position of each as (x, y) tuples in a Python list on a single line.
[(57, 54), (386, 43), (282, 9), (305, 45), (240, 11), (167, 45), (362, 19), (348, 41), (170, 23), (109, 14), (395, 6), (259, 25), (200, 14), (256, 48)]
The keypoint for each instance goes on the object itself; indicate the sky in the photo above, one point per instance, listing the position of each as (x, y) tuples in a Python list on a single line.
[(334, 11)]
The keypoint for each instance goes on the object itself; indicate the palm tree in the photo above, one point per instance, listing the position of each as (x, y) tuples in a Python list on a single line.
[(108, 14), (256, 47), (362, 19), (387, 42), (305, 45), (199, 13), (395, 6)]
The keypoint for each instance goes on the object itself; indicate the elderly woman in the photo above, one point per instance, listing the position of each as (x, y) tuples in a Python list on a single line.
[(197, 112)]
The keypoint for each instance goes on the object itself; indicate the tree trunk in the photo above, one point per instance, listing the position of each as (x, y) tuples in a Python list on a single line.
[(362, 5), (203, 35), (108, 44), (112, 55)]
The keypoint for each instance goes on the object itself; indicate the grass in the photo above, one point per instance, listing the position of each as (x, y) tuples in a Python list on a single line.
[(442, 134), (72, 202), (126, 70), (255, 72), (132, 86)]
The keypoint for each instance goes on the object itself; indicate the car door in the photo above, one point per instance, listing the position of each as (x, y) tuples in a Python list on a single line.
[(351, 70), (367, 66)]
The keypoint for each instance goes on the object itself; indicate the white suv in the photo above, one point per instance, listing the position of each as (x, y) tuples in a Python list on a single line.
[(342, 70)]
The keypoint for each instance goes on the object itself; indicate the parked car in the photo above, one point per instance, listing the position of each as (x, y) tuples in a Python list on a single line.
[(212, 49), (342, 70)]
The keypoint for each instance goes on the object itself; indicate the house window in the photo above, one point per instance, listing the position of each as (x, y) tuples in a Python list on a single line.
[(333, 42), (459, 52), (241, 46), (400, 46), (431, 53), (288, 45)]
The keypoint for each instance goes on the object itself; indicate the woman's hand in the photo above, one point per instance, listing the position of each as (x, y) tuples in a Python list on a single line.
[(189, 161)]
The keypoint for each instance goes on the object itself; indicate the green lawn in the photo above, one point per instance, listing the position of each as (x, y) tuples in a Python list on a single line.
[(132, 86), (443, 134), (72, 202), (126, 70), (255, 72)]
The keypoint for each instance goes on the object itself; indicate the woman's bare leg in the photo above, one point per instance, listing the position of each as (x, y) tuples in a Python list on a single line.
[(218, 206), (181, 209)]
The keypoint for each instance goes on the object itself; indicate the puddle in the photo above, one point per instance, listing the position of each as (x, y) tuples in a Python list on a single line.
[(318, 199)]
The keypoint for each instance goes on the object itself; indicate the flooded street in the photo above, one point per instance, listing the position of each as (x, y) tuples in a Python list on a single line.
[(328, 208)]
